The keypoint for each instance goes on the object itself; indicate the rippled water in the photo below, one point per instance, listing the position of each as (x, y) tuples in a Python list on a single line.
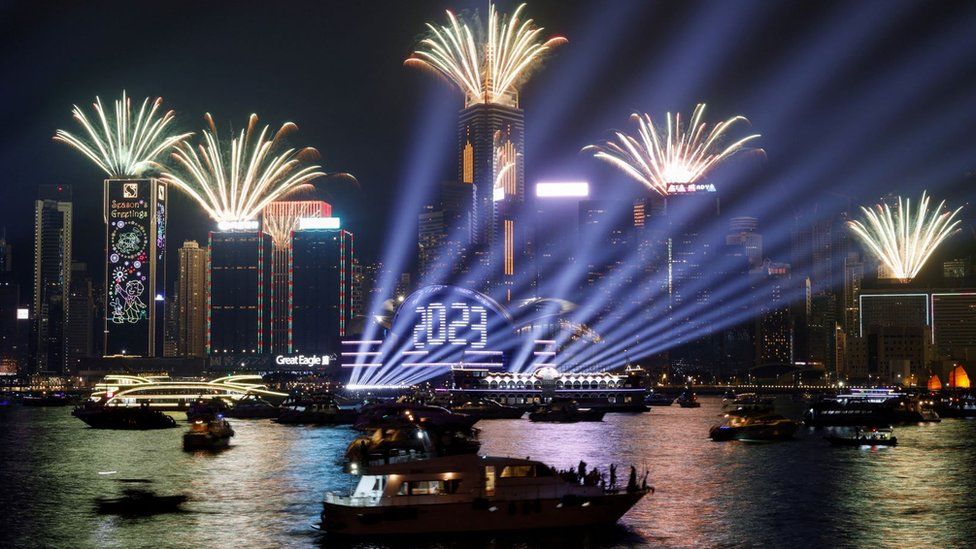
[(265, 491)]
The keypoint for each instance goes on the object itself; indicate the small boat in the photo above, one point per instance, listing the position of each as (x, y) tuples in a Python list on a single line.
[(658, 399), (471, 493), (397, 413), (564, 411), (253, 408), (98, 415), (754, 427), (206, 408), (688, 400), (864, 436), (321, 410), (747, 402), (137, 502), (956, 406), (211, 434), (46, 399), (487, 408)]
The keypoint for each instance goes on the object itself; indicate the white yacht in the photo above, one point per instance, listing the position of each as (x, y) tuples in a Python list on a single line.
[(471, 493)]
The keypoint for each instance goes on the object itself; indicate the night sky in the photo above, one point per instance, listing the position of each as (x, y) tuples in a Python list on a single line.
[(854, 99)]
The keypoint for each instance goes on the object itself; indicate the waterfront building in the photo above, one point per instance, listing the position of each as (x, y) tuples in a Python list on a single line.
[(893, 309), (238, 287), (853, 282), (81, 310), (954, 324), (191, 301), (322, 282), (135, 266), (14, 327), (774, 323), (52, 278), (281, 219)]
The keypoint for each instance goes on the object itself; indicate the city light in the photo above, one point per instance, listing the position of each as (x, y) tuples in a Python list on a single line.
[(248, 225), (567, 189), (904, 240), (236, 183), (659, 157), (318, 223), (123, 145), (486, 64)]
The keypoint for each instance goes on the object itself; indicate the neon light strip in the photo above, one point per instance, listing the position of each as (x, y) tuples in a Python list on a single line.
[(425, 364), (545, 341), (362, 342), (358, 387), (413, 353), (544, 353), (360, 353), (474, 352), (364, 365)]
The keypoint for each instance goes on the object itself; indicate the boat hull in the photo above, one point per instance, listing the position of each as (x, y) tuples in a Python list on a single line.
[(567, 417), (844, 441), (763, 433), (482, 515), (136, 419)]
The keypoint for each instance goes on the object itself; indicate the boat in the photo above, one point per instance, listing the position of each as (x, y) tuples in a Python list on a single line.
[(98, 415), (747, 402), (472, 493), (253, 407), (395, 413), (319, 410), (876, 406), (137, 502), (487, 408), (658, 399), (212, 434), (688, 400), (864, 436), (956, 406), (564, 411), (754, 426), (206, 409), (46, 399)]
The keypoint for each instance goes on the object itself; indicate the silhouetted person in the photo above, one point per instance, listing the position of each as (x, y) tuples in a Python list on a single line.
[(632, 481), (613, 476), (581, 469)]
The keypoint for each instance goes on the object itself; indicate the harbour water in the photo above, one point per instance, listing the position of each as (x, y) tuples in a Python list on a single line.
[(265, 491)]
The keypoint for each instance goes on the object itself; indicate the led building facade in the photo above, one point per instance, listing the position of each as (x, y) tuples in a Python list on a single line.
[(280, 221), (322, 278), (491, 144), (238, 289), (135, 266)]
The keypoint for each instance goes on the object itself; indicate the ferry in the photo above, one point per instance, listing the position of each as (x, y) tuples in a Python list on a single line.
[(863, 436), (471, 493), (486, 408), (565, 411), (98, 415), (658, 399), (754, 427), (875, 406), (688, 400)]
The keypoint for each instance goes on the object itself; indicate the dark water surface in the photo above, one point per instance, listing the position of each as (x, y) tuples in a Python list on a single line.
[(265, 491)]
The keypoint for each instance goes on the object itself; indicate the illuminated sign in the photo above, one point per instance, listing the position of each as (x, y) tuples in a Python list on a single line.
[(447, 326), (566, 189), (690, 188), (303, 360), (23, 314), (250, 225), (318, 223), (135, 213)]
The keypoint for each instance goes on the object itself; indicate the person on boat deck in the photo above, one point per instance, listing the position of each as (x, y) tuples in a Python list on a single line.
[(632, 481), (613, 476), (581, 470)]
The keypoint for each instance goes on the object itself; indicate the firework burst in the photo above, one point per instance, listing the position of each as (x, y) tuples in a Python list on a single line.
[(487, 64), (235, 183), (904, 240), (123, 145), (672, 154)]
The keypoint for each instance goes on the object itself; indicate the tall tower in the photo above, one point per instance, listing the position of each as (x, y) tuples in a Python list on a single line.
[(323, 278), (81, 310), (490, 145), (52, 277), (238, 284), (281, 219), (135, 266), (191, 301)]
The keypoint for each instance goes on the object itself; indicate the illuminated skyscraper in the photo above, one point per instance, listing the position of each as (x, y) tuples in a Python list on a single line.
[(444, 232), (135, 266), (774, 328), (322, 285), (281, 219), (743, 232), (52, 277), (239, 285), (191, 301), (490, 145)]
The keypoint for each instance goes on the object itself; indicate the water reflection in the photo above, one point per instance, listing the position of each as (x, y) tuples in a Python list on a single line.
[(267, 488)]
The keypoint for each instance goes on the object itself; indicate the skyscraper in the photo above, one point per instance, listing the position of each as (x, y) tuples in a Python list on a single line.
[(491, 146), (323, 261), (239, 284), (81, 311), (774, 329), (52, 277), (191, 301), (14, 327), (135, 266), (444, 232), (743, 232), (281, 219)]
